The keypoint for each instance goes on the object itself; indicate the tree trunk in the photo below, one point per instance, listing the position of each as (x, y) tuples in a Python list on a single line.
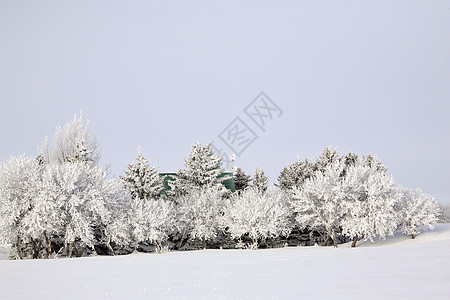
[(108, 244), (81, 251), (355, 239), (74, 247), (48, 249), (35, 250), (328, 236), (19, 250), (158, 247), (334, 240), (204, 242), (413, 236), (332, 236), (69, 250)]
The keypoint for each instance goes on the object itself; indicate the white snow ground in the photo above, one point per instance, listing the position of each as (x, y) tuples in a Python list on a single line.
[(398, 268)]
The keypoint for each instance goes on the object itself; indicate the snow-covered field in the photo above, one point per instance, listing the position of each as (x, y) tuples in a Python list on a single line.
[(395, 268)]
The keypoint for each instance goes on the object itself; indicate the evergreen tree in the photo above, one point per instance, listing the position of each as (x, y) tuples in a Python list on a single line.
[(241, 180), (260, 181), (202, 171), (348, 160), (142, 180), (295, 174), (327, 157), (373, 162)]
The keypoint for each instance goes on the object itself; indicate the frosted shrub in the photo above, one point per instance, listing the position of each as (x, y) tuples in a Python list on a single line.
[(417, 211), (198, 213), (82, 194), (445, 213), (151, 221), (19, 186), (71, 143), (371, 198), (258, 215), (319, 203)]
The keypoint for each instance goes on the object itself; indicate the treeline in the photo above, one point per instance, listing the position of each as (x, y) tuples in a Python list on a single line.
[(62, 203)]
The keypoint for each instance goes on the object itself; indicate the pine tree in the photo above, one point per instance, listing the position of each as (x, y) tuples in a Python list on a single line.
[(373, 162), (142, 180), (202, 171), (241, 180), (295, 174), (348, 160), (260, 181), (327, 157)]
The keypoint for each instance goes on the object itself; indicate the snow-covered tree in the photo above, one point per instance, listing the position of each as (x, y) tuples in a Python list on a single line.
[(371, 198), (43, 220), (417, 211), (241, 180), (116, 228), (198, 213), (328, 156), (203, 168), (72, 143), (260, 181), (319, 202), (19, 186), (444, 217), (142, 180), (151, 221), (348, 160), (258, 215), (372, 161), (81, 193), (295, 174)]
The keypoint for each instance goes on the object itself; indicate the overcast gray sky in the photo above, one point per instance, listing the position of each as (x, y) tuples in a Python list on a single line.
[(361, 76)]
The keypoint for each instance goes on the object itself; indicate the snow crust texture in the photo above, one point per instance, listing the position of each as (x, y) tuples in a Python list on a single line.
[(395, 268)]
